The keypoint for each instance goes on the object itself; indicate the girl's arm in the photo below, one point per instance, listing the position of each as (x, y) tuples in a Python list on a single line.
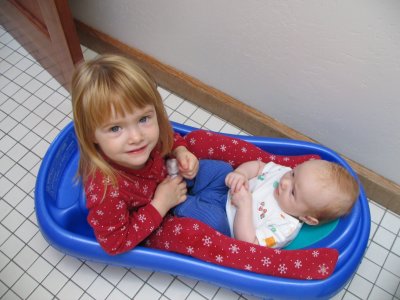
[(187, 162), (123, 217)]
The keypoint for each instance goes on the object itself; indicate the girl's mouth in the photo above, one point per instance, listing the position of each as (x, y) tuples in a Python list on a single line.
[(136, 151)]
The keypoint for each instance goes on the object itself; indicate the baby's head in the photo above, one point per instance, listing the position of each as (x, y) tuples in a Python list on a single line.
[(107, 87), (317, 191)]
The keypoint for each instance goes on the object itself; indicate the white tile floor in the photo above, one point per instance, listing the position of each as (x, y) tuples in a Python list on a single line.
[(33, 109)]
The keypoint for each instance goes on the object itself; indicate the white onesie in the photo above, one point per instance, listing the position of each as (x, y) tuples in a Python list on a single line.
[(274, 228)]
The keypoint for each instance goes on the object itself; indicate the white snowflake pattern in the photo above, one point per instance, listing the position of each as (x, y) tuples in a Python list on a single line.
[(222, 148), (207, 241), (219, 258), (315, 253), (235, 142), (114, 194), (253, 249), (159, 231), (210, 151), (272, 157), (234, 248), (128, 243), (298, 264), (196, 226), (136, 183), (166, 245), (142, 218), (136, 227), (259, 159), (102, 240), (106, 180), (111, 228), (100, 212), (266, 261), (121, 218), (248, 267), (231, 162), (277, 251), (145, 189), (178, 229), (323, 269), (93, 198), (94, 222), (209, 133), (91, 187), (126, 183), (192, 141), (282, 268), (244, 149), (286, 158), (120, 205), (189, 250)]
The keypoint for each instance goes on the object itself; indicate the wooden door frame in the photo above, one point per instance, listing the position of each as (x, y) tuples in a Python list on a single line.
[(52, 39)]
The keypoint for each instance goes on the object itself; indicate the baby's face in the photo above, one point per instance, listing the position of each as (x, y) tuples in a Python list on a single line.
[(301, 191)]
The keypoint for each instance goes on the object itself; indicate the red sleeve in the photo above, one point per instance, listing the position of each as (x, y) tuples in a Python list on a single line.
[(178, 141), (117, 227)]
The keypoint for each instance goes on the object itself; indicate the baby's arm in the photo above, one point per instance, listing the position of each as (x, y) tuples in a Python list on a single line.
[(240, 176), (243, 227)]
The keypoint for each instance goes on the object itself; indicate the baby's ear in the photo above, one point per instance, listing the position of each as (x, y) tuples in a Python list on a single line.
[(309, 220)]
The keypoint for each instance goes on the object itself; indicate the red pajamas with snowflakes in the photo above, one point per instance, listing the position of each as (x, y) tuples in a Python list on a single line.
[(123, 217)]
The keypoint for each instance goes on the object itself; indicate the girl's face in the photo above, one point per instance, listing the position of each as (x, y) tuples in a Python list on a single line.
[(129, 140)]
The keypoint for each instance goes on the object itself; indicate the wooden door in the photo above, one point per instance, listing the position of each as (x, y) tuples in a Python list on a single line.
[(45, 28)]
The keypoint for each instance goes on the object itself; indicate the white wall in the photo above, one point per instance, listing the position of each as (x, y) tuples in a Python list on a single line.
[(329, 69)]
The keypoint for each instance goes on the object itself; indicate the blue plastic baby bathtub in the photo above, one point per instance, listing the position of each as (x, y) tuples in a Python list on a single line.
[(61, 214)]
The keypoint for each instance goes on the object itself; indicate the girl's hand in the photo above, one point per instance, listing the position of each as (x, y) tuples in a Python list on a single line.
[(188, 163), (169, 193), (236, 180)]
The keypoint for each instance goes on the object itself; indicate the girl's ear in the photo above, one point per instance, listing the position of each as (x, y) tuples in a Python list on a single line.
[(309, 220)]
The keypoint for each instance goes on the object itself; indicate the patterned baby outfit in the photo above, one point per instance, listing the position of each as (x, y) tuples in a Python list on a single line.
[(274, 228)]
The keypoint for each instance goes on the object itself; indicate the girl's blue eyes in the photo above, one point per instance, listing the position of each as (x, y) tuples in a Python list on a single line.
[(115, 129), (118, 128), (144, 119)]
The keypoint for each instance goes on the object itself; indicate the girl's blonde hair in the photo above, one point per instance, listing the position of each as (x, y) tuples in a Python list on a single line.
[(105, 85)]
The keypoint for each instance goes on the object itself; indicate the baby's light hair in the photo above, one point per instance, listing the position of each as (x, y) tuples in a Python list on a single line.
[(346, 190), (111, 84)]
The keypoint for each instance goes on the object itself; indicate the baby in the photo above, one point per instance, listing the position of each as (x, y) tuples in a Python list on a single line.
[(267, 203)]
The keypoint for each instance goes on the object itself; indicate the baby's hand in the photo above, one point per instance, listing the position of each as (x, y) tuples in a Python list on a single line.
[(242, 198), (188, 163), (235, 181)]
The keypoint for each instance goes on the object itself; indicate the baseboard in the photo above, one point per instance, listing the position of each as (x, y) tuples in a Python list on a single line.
[(377, 187)]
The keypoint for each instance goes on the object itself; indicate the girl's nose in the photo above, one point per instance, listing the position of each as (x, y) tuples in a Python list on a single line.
[(135, 136)]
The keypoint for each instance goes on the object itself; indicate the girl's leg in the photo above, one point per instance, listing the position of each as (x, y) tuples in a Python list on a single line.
[(193, 238), (206, 144)]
